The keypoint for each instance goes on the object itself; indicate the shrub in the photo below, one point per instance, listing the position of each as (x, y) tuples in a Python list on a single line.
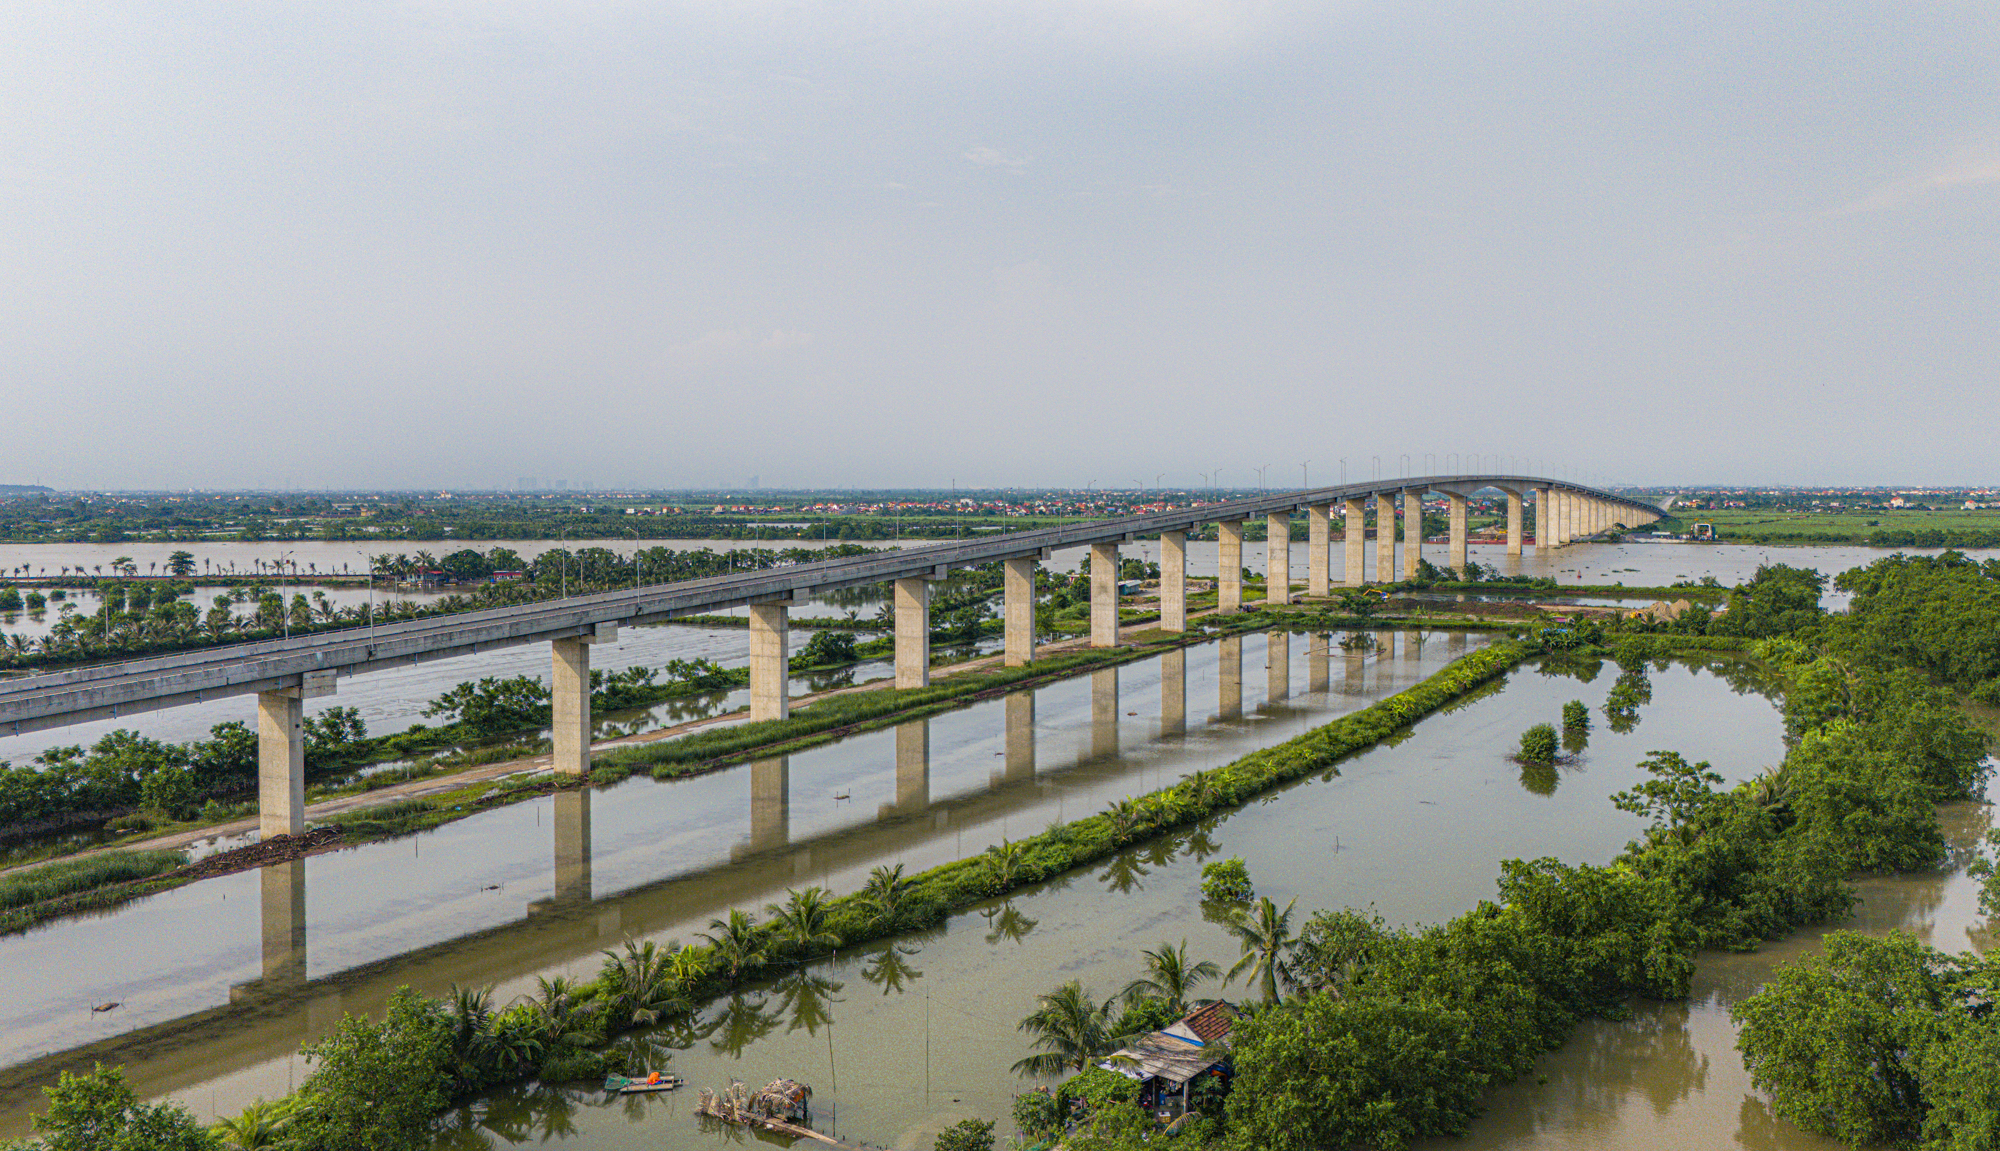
[(1538, 744), (1035, 1114), (1226, 881), (966, 1135), (1576, 717)]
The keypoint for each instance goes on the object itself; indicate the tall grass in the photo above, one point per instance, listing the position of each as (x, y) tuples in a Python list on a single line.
[(74, 875)]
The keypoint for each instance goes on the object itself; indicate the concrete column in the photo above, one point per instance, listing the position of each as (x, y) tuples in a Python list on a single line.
[(770, 803), (1104, 595), (913, 632), (1104, 713), (913, 766), (1021, 736), (281, 763), (1354, 544), (572, 845), (1514, 518), (1544, 522), (1385, 537), (1319, 665), (1229, 567), (1019, 587), (569, 691), (1277, 665), (283, 908), (1173, 692), (1319, 549), (1459, 553), (770, 661), (1278, 558), (1229, 676), (1574, 501), (1173, 581), (1413, 531)]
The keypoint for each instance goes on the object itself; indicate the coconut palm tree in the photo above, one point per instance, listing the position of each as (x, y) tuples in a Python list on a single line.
[(1124, 816), (885, 890), (1072, 1030), (261, 1125), (1170, 977), (640, 983), (561, 1017), (801, 921), (1266, 935), (736, 943), (1003, 861)]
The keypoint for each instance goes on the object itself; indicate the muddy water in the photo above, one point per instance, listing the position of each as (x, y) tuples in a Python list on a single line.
[(221, 994)]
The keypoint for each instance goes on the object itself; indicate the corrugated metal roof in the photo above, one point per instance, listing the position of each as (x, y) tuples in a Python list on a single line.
[(1182, 1051)]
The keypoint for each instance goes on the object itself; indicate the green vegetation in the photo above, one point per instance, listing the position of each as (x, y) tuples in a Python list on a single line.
[(1226, 880), (1538, 744), (1576, 717), (54, 880), (1875, 526)]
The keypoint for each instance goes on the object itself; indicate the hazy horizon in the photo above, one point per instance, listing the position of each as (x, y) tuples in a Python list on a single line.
[(443, 245)]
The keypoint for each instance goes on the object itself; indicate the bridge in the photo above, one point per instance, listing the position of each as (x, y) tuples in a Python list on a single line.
[(283, 674)]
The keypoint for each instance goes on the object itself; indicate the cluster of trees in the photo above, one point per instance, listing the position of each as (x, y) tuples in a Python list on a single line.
[(1938, 614)]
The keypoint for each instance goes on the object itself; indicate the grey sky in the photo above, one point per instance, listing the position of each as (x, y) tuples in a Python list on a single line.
[(361, 244)]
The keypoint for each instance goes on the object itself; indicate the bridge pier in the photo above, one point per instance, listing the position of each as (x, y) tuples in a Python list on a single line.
[(1104, 595), (1019, 599), (569, 697), (1354, 542), (1385, 537), (913, 632), (1319, 549), (1278, 558), (1513, 523), (281, 754), (1413, 532), (1173, 581), (1459, 554), (1229, 567), (1542, 541), (1575, 504), (770, 660)]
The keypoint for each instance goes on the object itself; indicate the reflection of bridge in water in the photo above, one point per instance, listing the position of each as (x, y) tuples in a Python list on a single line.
[(269, 1017)]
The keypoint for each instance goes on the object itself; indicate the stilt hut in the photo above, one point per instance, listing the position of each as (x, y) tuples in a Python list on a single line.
[(1167, 1062)]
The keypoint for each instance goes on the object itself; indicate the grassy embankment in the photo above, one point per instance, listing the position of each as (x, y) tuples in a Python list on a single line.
[(1872, 528)]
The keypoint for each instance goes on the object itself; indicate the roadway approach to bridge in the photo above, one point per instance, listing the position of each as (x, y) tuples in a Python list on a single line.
[(283, 674)]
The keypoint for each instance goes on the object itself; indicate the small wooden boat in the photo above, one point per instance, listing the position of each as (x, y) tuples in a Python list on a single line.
[(656, 1081)]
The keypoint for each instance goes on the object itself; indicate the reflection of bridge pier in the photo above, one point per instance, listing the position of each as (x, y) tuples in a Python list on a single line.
[(282, 920), (1173, 692), (1352, 680), (1413, 646), (913, 769), (1454, 644), (572, 845), (1104, 713), (1229, 677), (1278, 665), (1319, 669), (1020, 737), (770, 804)]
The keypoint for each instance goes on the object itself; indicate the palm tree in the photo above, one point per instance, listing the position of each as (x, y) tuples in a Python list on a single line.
[(1072, 1031), (885, 890), (801, 921), (1003, 860), (473, 1046), (641, 983), (1170, 977), (1266, 935), (1202, 789), (1124, 816), (260, 1126), (735, 942), (562, 1018)]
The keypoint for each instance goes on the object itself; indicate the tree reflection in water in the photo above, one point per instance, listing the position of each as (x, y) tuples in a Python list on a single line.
[(1124, 872), (741, 1022), (1007, 922), (539, 1114), (890, 968), (808, 999)]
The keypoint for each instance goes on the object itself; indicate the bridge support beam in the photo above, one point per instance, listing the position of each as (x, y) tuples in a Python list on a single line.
[(1575, 503), (1104, 595), (1173, 581), (1459, 554), (1413, 531), (1385, 537), (1019, 587), (1513, 523), (1354, 542), (1278, 558), (1558, 517), (281, 754), (770, 661), (1229, 567), (1544, 523), (1319, 554), (913, 632), (569, 698)]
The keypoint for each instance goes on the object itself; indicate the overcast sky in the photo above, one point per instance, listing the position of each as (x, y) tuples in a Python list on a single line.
[(450, 244)]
